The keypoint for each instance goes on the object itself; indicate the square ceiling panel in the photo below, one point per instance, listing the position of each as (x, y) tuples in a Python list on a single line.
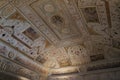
[(31, 33), (90, 14)]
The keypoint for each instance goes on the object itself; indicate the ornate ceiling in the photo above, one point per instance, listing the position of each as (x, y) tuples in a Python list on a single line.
[(45, 37)]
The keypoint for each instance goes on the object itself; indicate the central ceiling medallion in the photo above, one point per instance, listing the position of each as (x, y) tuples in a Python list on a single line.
[(57, 20)]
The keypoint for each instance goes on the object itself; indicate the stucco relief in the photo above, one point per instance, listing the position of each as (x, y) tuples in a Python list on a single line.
[(12, 25), (96, 24), (58, 19), (2, 3), (78, 55), (7, 11), (3, 49), (115, 17), (39, 23), (59, 57), (36, 27)]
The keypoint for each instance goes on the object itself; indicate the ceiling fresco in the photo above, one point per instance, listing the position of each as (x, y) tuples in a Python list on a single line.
[(48, 37)]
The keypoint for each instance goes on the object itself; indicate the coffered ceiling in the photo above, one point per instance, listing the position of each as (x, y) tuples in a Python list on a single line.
[(56, 34)]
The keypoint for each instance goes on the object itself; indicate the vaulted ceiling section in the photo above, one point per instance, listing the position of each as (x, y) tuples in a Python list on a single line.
[(52, 37)]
